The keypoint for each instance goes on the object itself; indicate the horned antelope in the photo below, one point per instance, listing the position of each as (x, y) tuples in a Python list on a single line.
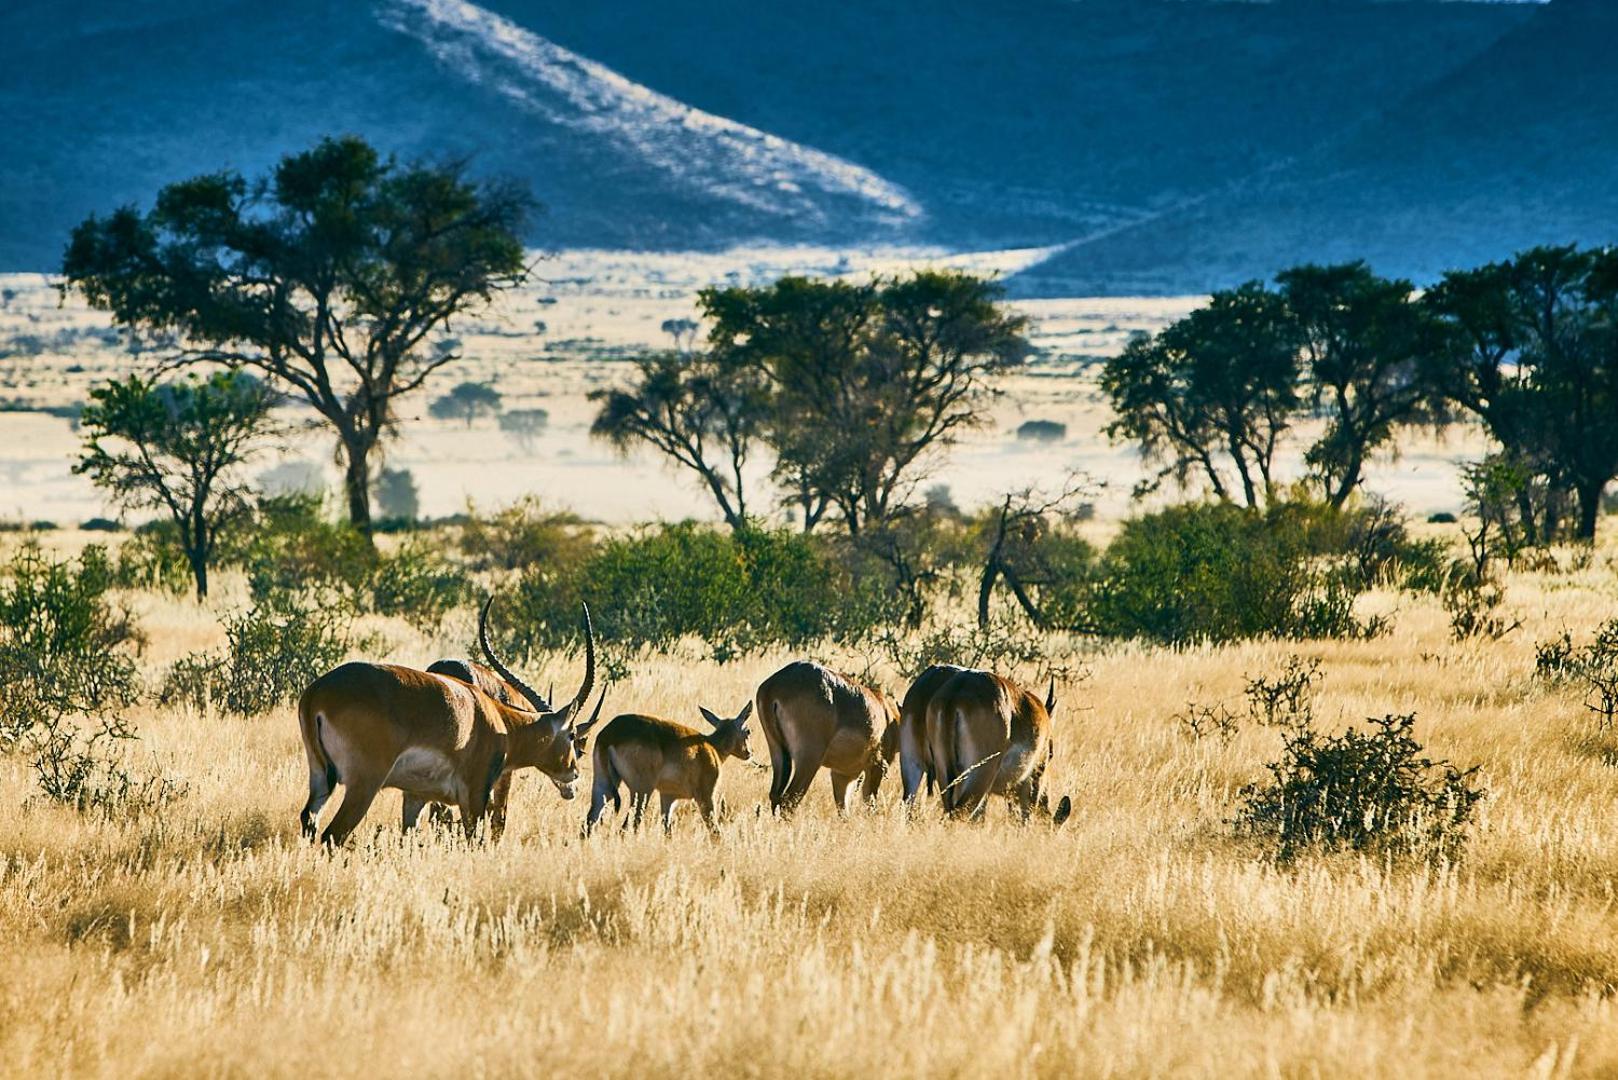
[(813, 717), (648, 754), (915, 759), (988, 736), (434, 737), (486, 679)]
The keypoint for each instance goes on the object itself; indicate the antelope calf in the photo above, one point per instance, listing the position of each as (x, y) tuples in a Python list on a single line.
[(988, 736), (434, 737), (814, 717), (647, 754)]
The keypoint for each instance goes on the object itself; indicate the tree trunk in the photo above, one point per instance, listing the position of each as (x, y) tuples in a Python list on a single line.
[(357, 485), (199, 571), (991, 570), (1589, 508), (1350, 481)]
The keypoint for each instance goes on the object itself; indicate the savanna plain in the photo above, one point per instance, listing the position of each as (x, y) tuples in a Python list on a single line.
[(202, 935), (1142, 937)]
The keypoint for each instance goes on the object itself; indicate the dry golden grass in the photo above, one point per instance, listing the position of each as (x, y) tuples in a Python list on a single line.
[(1140, 939)]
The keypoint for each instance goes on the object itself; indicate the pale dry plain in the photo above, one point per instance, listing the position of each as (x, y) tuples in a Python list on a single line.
[(1140, 939)]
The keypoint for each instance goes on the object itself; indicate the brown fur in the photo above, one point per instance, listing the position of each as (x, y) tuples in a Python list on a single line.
[(814, 717), (988, 736), (434, 736), (484, 678), (364, 725), (647, 754), (915, 757)]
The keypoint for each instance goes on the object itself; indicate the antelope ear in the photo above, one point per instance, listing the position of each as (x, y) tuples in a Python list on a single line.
[(1050, 696), (713, 720), (747, 710)]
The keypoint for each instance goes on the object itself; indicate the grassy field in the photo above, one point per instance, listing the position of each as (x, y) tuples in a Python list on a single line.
[(1141, 938)]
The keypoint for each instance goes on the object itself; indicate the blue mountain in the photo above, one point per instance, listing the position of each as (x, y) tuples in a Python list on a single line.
[(1169, 144)]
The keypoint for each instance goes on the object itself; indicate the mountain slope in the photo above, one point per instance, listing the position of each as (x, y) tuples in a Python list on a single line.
[(106, 109), (1516, 147), (701, 123)]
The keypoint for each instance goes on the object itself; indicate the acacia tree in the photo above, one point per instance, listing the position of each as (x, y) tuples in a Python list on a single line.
[(1532, 349), (1219, 386), (1364, 340), (466, 402), (703, 411), (866, 380), (177, 448), (330, 276)]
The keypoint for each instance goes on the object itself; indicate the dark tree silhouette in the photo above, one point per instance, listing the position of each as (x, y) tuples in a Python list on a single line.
[(331, 276), (701, 411), (1364, 341), (867, 380), (1531, 348), (1213, 391), (467, 402)]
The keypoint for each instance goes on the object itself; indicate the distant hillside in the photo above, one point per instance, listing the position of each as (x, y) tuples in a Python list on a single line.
[(1517, 147), (1176, 143)]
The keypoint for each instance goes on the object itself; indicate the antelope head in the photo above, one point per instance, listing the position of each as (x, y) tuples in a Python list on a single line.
[(729, 737), (551, 740)]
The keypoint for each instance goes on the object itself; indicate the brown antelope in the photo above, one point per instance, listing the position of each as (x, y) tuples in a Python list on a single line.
[(486, 679), (988, 736), (434, 737), (915, 759), (812, 716), (647, 754)]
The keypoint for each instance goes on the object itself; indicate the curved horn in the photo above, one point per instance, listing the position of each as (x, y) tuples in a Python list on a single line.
[(1050, 696), (506, 673), (574, 707)]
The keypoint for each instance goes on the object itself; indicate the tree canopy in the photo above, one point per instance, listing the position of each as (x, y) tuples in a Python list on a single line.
[(177, 448), (334, 276)]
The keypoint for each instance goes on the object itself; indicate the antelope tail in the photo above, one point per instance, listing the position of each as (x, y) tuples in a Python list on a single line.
[(320, 763)]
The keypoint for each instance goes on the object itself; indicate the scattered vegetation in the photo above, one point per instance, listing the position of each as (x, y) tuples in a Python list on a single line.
[(275, 650), (1370, 790), (1591, 667)]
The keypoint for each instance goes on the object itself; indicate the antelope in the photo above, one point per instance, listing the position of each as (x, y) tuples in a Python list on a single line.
[(988, 736), (915, 758), (648, 754), (434, 737), (814, 717), (485, 679)]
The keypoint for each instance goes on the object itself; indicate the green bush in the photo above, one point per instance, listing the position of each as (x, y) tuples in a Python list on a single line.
[(151, 558), (69, 672), (1219, 572), (1370, 790), (417, 584), (273, 651), (64, 648), (1591, 667), (737, 593), (525, 535), (290, 545)]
